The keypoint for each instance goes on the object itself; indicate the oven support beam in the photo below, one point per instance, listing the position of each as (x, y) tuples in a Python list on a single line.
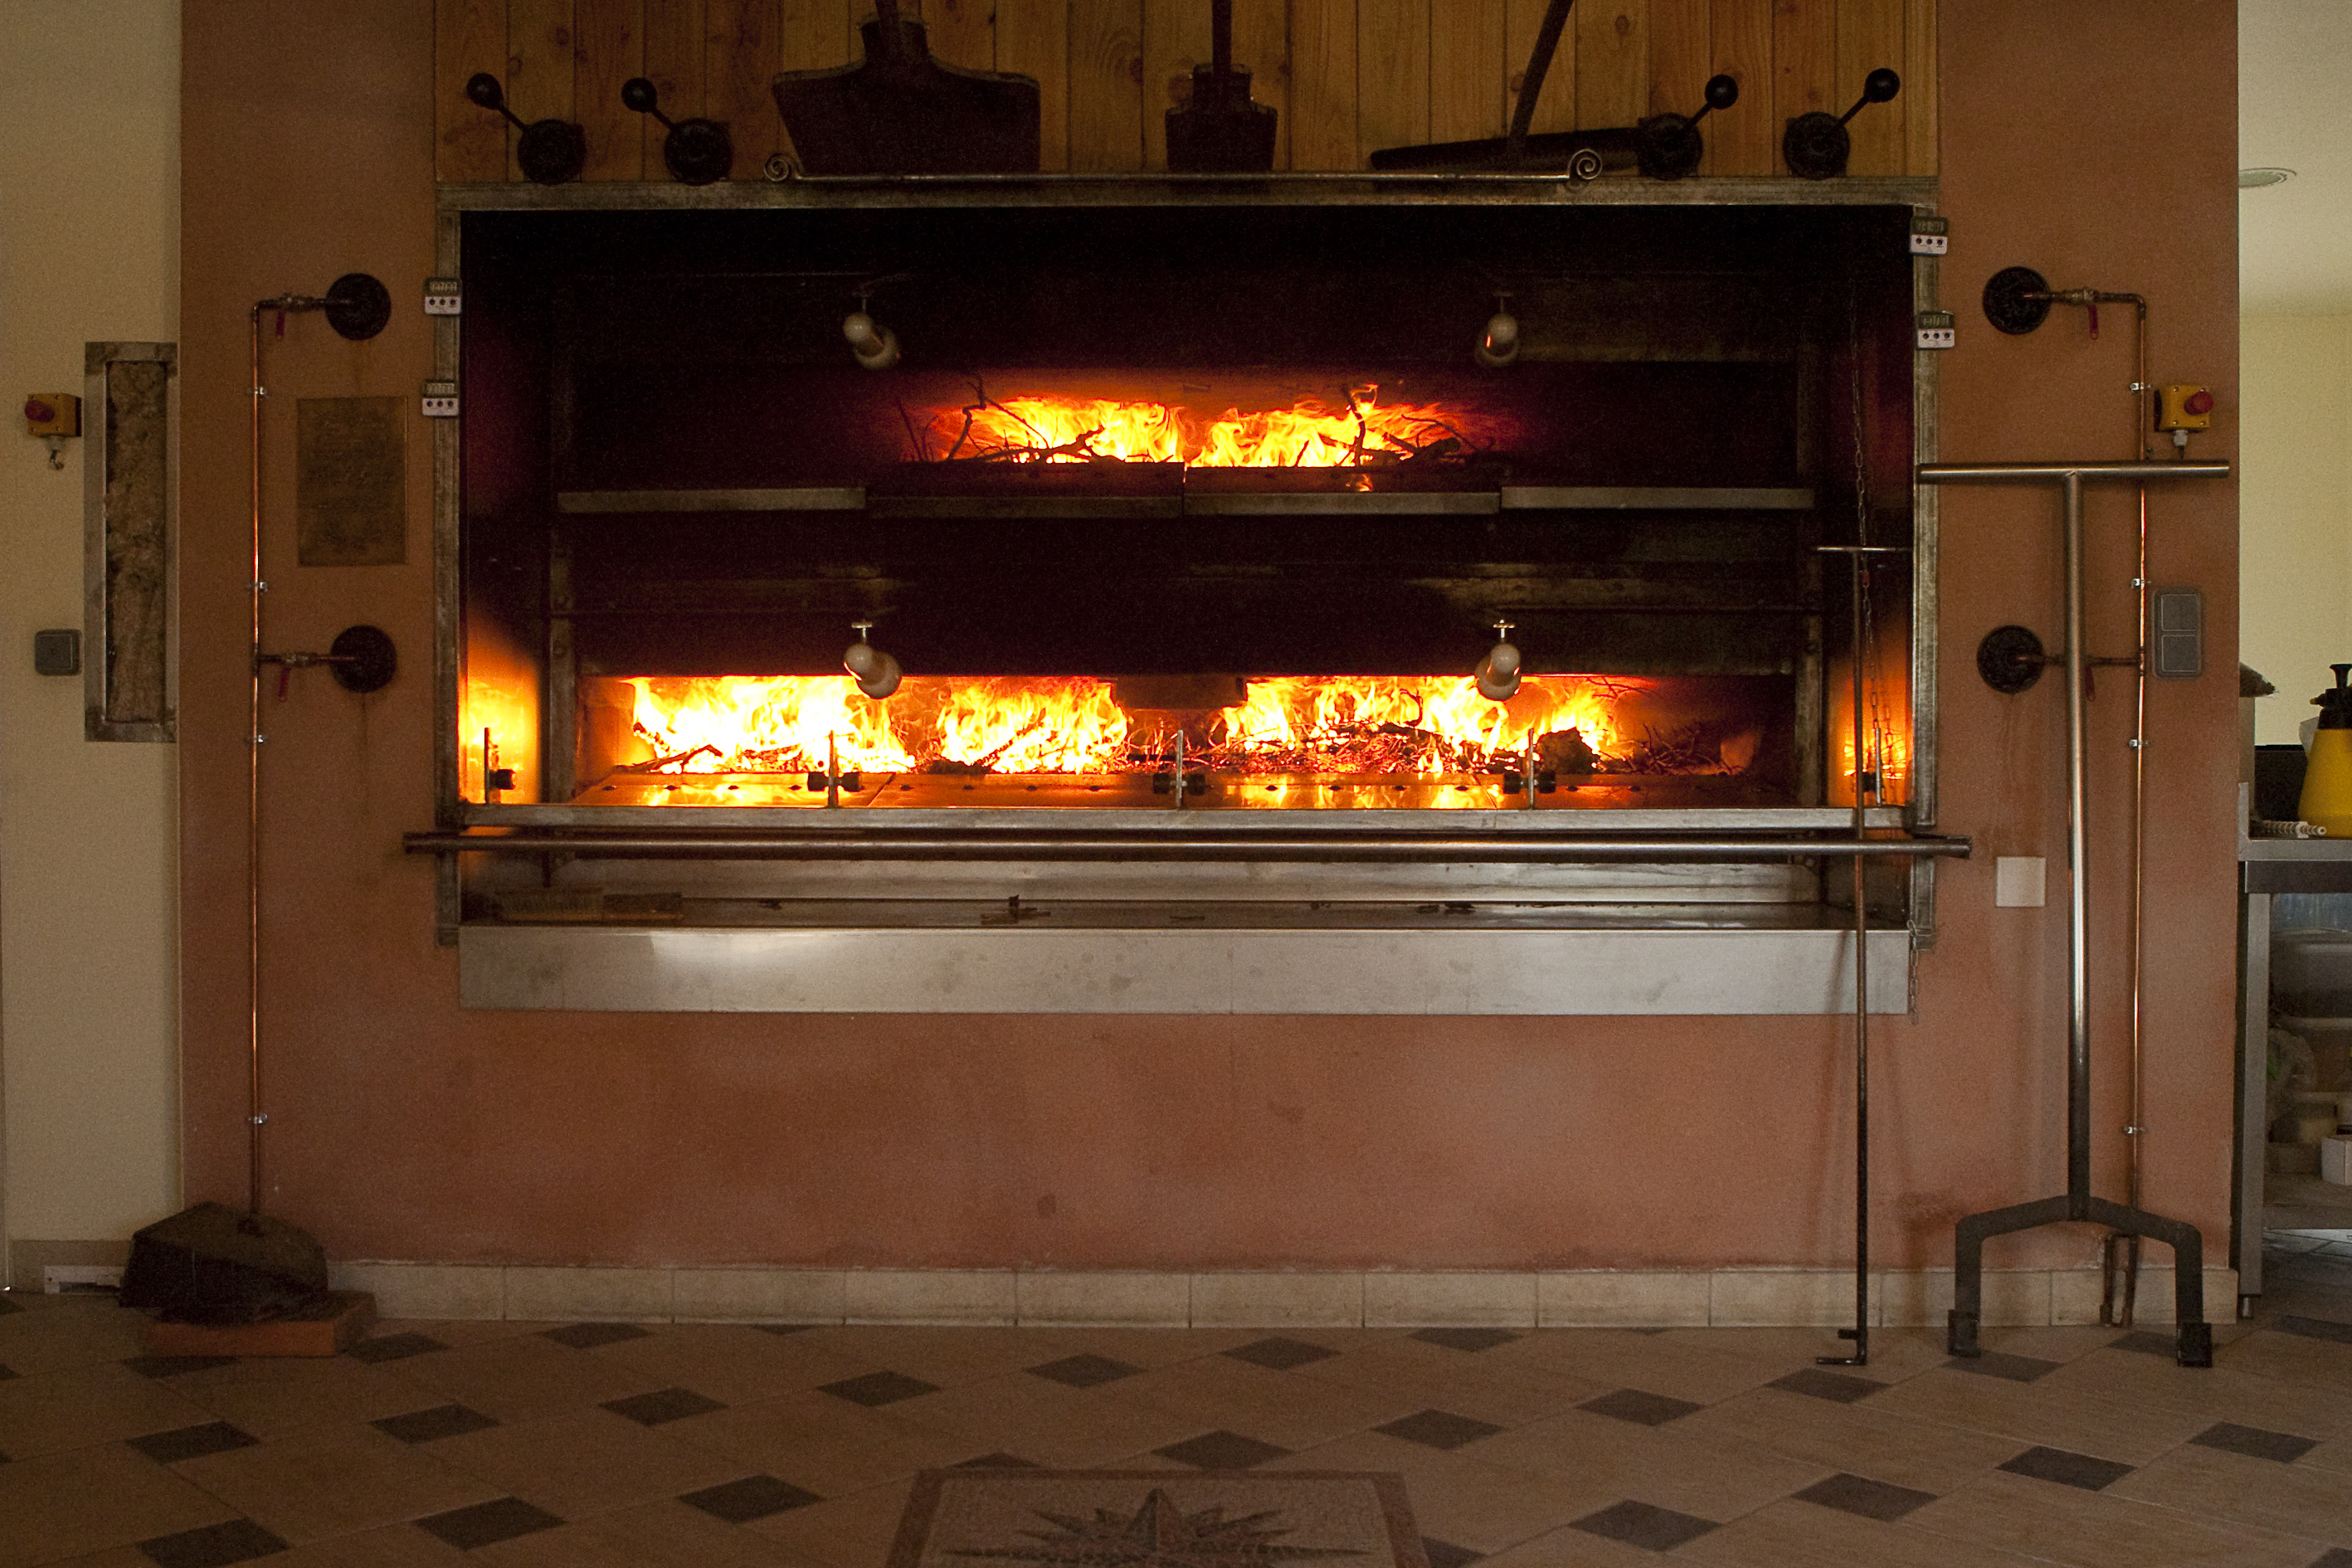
[(2196, 1341)]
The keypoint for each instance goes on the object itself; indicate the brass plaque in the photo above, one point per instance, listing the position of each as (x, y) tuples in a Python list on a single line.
[(350, 468)]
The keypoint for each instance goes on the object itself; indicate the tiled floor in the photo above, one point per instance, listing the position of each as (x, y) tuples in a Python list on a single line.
[(608, 1444)]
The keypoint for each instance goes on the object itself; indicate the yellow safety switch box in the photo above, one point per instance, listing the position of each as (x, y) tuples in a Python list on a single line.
[(52, 414), (2184, 408)]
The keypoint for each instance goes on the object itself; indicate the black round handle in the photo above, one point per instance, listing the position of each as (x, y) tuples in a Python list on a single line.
[(1722, 91), (484, 90), (641, 95), (1880, 85)]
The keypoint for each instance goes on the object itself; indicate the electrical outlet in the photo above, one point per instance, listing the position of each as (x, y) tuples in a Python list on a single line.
[(440, 400), (444, 297), (1930, 236), (1936, 331), (77, 1278)]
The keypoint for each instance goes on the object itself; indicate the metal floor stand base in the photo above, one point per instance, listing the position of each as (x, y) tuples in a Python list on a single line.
[(2196, 1343)]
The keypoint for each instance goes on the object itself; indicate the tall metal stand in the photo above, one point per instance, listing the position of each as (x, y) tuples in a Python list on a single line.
[(2195, 1336)]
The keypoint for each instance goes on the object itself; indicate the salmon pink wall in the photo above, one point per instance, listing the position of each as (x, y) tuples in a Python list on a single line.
[(403, 1127)]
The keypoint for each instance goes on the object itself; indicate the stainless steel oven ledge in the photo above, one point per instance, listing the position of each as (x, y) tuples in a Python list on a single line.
[(1011, 969)]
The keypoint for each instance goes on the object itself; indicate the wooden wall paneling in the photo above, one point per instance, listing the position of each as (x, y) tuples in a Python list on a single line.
[(1392, 74), (1556, 107), (1323, 85), (1804, 65), (1033, 39), (609, 47), (1468, 66), (813, 34), (468, 36), (1261, 43), (1681, 59), (1919, 88), (739, 63), (1105, 74), (1175, 40), (1870, 35), (1745, 138), (675, 63), (964, 32), (540, 64), (1612, 62)]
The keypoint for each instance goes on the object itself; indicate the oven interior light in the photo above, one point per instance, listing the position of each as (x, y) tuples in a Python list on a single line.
[(876, 347)]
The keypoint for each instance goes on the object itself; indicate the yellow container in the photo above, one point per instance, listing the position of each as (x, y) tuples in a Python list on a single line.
[(2327, 800)]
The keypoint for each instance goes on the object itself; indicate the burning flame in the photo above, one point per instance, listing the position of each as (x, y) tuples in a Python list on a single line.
[(1379, 724), (1310, 434)]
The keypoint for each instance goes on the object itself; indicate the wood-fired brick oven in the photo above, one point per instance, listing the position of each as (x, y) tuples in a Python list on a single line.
[(1185, 513)]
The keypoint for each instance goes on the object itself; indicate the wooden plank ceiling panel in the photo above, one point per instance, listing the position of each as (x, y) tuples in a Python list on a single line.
[(1392, 75), (1106, 75), (1612, 62), (1032, 39), (468, 36), (1556, 106), (540, 64), (1920, 85), (1745, 138), (1468, 41), (608, 48), (1323, 85), (1175, 40), (1870, 35), (740, 61)]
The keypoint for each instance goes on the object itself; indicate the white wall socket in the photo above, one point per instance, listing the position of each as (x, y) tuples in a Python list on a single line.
[(2019, 882), (66, 1278)]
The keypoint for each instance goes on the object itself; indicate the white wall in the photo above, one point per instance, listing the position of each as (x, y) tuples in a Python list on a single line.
[(2295, 563), (90, 123)]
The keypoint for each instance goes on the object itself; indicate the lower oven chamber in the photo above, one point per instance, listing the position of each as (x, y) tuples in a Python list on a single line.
[(1189, 524)]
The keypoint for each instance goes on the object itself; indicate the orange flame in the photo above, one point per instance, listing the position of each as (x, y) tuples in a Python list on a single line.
[(1380, 724), (1310, 434)]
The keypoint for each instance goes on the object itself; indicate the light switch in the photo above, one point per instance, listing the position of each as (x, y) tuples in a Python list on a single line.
[(2018, 882)]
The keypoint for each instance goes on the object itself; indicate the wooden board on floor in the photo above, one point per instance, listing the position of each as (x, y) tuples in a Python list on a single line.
[(330, 1329)]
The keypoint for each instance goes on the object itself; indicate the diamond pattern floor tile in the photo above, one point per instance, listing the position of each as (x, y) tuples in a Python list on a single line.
[(212, 1545), (1644, 1525), (1641, 1408), (2145, 1343), (1085, 1370), (753, 1497), (428, 1425), (588, 1336), (663, 1405), (2009, 1368), (193, 1442), (1279, 1354), (2067, 1469), (2255, 1442), (162, 1366), (2313, 1329), (1820, 1382), (1467, 1339), (488, 1523), (998, 1462), (1439, 1429), (1222, 1452), (877, 1389), (1445, 1555), (1873, 1499)]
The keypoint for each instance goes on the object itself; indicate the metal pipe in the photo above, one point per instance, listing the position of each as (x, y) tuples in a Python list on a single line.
[(2047, 473), (988, 845), (2078, 862), (255, 585)]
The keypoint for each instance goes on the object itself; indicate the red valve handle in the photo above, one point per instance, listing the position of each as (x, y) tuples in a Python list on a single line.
[(2198, 403), (39, 412)]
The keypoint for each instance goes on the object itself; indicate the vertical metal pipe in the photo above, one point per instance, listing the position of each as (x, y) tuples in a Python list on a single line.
[(1861, 1003), (255, 588), (2078, 900)]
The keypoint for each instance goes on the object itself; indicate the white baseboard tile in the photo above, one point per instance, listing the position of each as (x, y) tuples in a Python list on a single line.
[(1622, 1299), (560, 1295), (971, 1298), (1278, 1301), (1561, 1298), (759, 1295), (1402, 1300), (1087, 1300)]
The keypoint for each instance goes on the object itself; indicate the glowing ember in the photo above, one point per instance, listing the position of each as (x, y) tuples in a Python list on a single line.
[(1337, 724), (1310, 434)]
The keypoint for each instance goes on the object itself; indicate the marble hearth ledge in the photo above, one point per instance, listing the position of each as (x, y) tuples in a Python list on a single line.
[(1600, 1297)]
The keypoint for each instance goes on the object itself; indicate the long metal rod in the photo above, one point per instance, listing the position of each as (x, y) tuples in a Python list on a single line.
[(2196, 1338), (985, 845)]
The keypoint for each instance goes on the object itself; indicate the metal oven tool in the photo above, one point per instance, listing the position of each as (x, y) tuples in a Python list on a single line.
[(2196, 1340)]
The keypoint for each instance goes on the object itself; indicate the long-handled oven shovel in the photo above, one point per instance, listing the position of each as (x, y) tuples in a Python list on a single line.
[(1221, 131), (899, 111)]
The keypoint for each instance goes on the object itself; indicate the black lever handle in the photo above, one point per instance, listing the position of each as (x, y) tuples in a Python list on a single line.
[(1722, 92), (551, 152), (1668, 146), (1879, 87), (1816, 145), (698, 151)]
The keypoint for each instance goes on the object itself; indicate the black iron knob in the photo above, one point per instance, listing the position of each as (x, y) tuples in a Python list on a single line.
[(2017, 300), (358, 306), (697, 152), (551, 152), (1722, 92), (484, 90)]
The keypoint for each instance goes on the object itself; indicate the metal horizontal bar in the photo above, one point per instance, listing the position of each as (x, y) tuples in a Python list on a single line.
[(1335, 188), (838, 498), (991, 844), (1652, 498), (1996, 473), (1346, 503)]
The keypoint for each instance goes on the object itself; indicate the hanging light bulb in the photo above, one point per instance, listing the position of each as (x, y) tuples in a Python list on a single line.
[(1497, 674), (876, 347), (1499, 345), (876, 673)]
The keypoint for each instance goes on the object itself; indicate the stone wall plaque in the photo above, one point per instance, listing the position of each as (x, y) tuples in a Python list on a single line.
[(351, 498), (128, 607)]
